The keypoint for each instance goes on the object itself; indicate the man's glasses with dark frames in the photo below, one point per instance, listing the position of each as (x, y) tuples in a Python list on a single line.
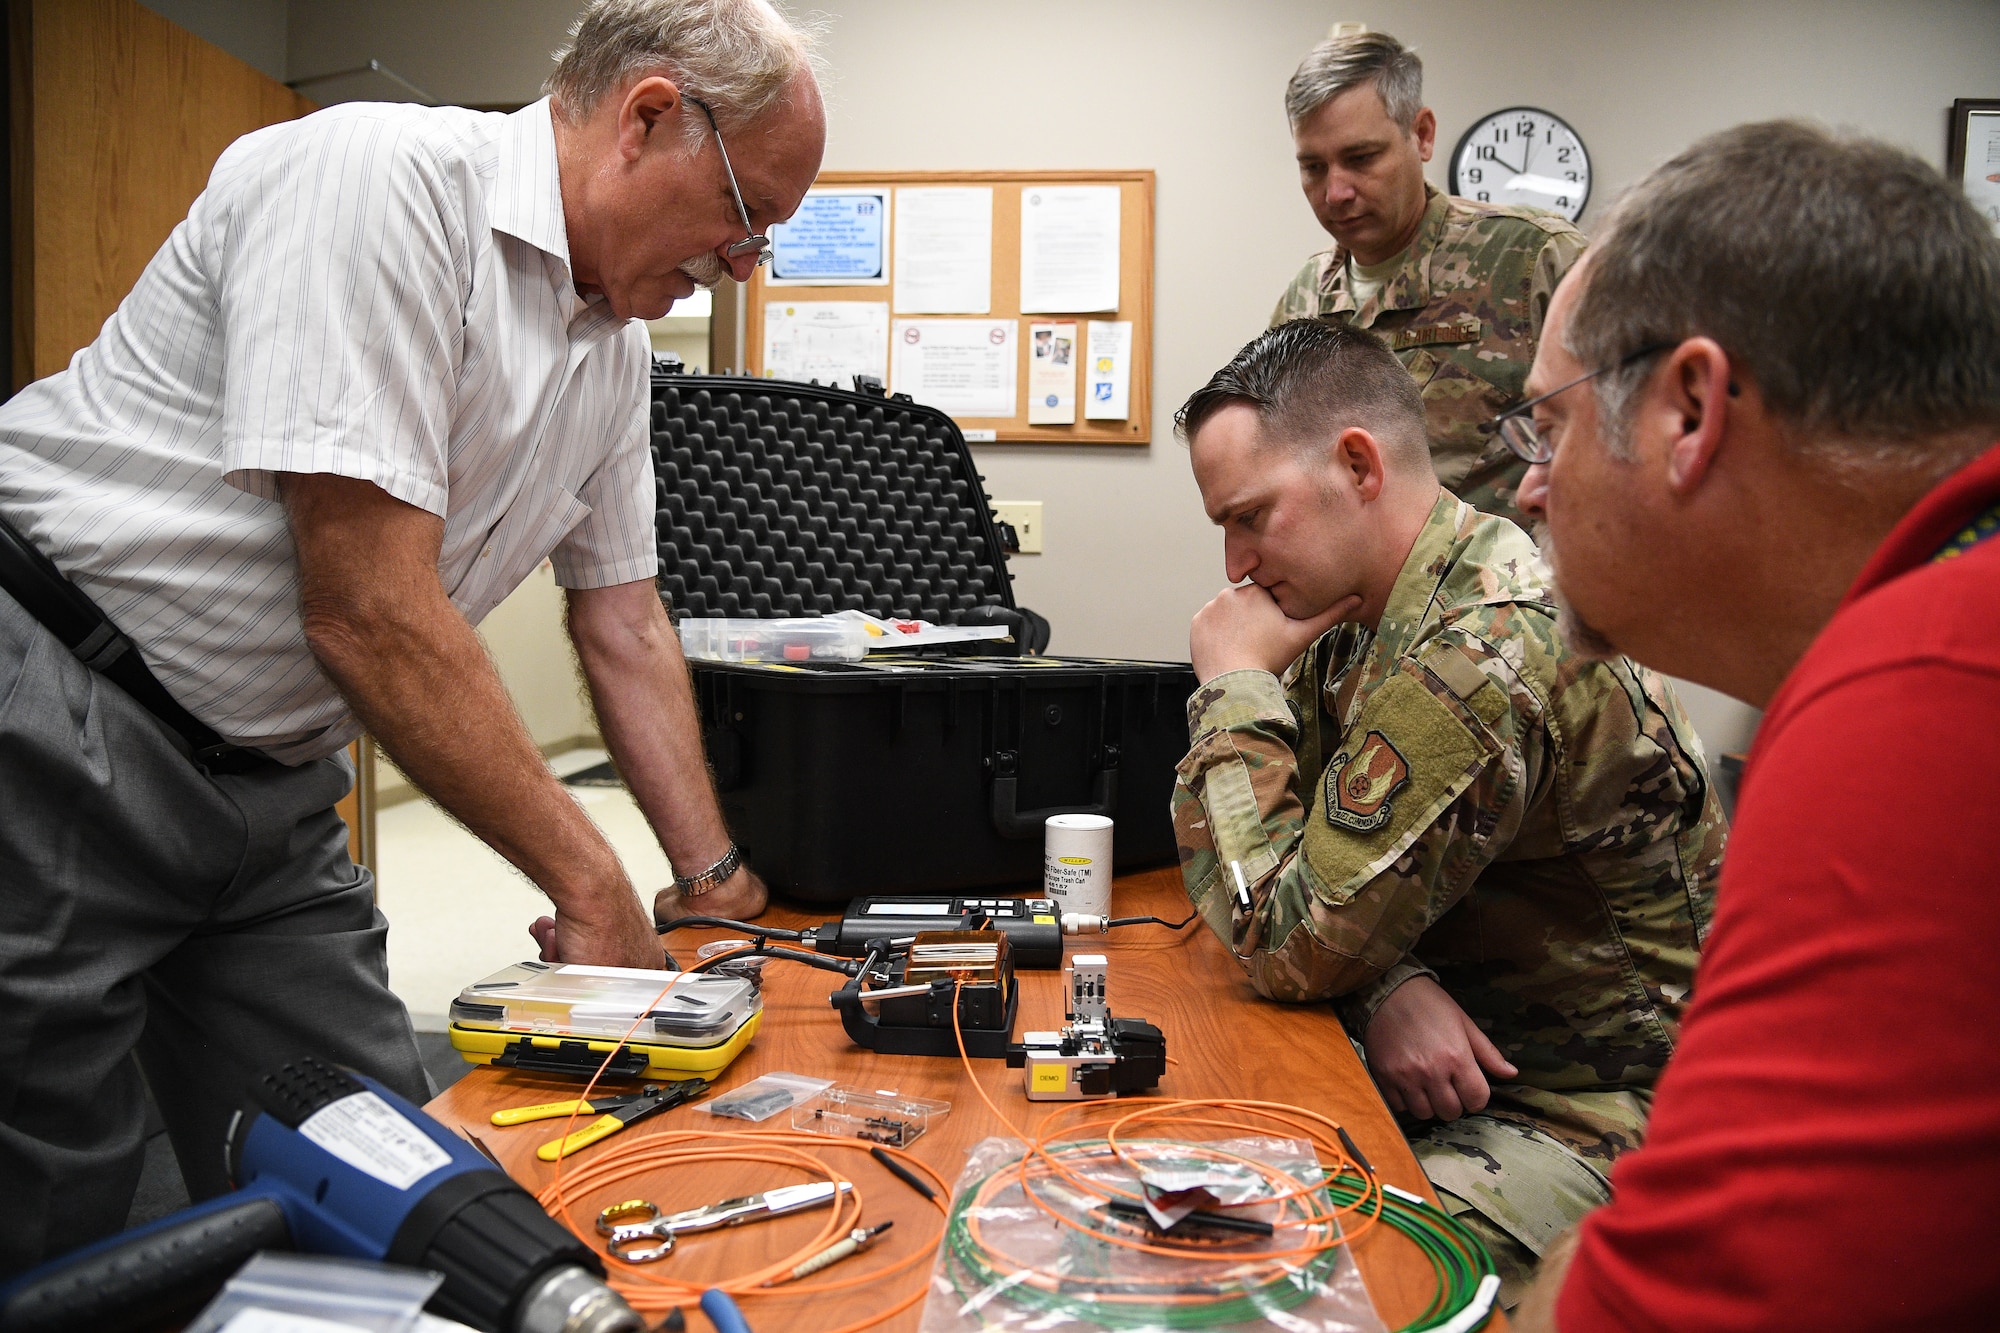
[(752, 243), (1516, 426)]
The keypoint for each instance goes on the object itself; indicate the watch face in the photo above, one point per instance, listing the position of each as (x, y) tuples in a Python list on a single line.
[(1523, 156)]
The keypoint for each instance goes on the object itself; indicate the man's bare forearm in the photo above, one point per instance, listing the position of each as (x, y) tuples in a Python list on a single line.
[(431, 696), (417, 676), (638, 682)]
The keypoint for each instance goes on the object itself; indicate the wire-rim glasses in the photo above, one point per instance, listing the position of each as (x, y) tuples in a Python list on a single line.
[(1516, 426), (752, 242)]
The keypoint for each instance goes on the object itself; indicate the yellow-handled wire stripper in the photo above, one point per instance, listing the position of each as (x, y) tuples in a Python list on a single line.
[(614, 1113)]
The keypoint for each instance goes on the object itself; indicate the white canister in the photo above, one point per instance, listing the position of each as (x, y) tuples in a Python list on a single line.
[(1076, 863)]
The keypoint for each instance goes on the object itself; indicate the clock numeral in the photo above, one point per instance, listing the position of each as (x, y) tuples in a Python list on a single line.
[(1484, 197), (1572, 175), (1562, 154), (1563, 202), (1499, 135), (1526, 128), (1474, 175), (1484, 152)]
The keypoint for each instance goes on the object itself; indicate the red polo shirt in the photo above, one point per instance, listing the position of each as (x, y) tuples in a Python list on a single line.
[(1824, 1150)]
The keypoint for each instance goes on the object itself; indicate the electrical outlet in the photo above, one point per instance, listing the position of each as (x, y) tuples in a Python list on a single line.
[(1026, 518)]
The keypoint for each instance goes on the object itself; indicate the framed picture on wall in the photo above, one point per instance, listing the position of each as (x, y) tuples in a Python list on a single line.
[(1973, 156)]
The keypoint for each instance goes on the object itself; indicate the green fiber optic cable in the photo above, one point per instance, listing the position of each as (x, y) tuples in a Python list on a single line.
[(1457, 1256)]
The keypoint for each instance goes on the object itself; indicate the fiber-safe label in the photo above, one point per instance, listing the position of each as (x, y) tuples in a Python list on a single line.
[(1064, 877), (372, 1136)]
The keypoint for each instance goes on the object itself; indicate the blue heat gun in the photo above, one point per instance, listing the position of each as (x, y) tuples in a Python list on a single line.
[(334, 1163)]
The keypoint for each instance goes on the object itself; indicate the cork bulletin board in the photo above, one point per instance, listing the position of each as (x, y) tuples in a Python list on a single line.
[(1134, 297)]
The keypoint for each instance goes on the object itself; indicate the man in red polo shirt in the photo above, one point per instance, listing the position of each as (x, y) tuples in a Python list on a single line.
[(1780, 484)]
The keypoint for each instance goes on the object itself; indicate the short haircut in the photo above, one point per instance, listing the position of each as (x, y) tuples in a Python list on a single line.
[(1853, 283), (1311, 379), (738, 56), (1340, 63)]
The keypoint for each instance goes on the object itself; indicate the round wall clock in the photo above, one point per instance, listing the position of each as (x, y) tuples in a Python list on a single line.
[(1523, 155)]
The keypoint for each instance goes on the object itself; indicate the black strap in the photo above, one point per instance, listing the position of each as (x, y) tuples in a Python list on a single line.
[(43, 591)]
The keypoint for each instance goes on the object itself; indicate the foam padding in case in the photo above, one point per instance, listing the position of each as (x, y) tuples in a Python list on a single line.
[(781, 499)]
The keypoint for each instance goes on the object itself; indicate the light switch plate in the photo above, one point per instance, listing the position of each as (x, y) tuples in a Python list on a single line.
[(1026, 518)]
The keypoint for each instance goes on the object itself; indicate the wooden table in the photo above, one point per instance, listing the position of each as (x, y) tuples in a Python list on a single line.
[(1226, 1040)]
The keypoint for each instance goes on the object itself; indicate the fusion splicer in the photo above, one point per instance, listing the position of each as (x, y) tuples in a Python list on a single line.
[(1095, 1055), (951, 986), (1033, 926)]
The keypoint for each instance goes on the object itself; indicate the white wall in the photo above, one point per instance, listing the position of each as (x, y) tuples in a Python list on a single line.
[(1192, 90)]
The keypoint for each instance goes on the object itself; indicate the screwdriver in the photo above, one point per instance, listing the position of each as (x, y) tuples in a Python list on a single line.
[(856, 1241)]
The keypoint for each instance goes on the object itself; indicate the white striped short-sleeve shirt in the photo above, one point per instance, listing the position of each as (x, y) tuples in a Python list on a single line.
[(380, 291)]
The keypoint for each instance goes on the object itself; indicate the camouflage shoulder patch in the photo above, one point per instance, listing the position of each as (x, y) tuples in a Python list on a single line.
[(1416, 756), (1361, 785)]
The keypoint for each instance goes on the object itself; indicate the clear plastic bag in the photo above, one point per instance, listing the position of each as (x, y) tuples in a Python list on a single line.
[(1007, 1263), (294, 1293), (766, 1095)]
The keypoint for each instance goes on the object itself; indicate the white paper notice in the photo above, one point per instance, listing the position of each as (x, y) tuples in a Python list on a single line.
[(1051, 374), (826, 340), (1982, 164), (944, 250), (1107, 371), (1069, 248), (963, 367)]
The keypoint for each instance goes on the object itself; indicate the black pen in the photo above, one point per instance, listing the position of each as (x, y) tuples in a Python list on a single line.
[(903, 1173)]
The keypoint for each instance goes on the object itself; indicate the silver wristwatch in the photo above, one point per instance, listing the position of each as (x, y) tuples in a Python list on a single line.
[(693, 886)]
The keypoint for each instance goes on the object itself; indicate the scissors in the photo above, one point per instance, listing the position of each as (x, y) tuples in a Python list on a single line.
[(632, 1224), (615, 1113)]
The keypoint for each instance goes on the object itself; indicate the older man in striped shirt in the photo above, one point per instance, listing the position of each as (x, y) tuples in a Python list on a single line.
[(386, 366)]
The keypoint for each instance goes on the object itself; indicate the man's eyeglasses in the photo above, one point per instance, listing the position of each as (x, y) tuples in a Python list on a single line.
[(752, 243), (1516, 426)]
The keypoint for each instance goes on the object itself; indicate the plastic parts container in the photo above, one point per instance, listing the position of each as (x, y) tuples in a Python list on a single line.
[(846, 1112), (793, 639)]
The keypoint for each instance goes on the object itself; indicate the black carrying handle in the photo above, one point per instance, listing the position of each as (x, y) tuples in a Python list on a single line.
[(1010, 821), (148, 1276)]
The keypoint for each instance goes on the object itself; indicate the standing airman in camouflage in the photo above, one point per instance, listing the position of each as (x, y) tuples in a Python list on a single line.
[(1403, 793), (1457, 288)]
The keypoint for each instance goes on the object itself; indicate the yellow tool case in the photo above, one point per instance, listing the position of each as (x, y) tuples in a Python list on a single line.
[(563, 1018)]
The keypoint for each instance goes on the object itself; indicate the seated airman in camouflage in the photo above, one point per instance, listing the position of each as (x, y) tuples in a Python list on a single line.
[(1403, 793)]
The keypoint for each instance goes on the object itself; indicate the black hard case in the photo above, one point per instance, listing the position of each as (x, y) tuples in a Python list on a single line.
[(901, 774)]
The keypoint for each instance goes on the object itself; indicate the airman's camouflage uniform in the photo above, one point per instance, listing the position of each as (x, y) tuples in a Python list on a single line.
[(1463, 314), (1456, 795)]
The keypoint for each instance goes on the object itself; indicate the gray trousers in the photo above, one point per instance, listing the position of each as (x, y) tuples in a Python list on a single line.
[(212, 927)]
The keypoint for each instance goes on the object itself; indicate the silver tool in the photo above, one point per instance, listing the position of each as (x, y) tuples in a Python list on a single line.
[(629, 1241)]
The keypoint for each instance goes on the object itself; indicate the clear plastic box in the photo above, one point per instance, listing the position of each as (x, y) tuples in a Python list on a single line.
[(571, 1000), (799, 639), (847, 1112)]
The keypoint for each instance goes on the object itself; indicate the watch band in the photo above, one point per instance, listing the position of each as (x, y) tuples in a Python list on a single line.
[(693, 886)]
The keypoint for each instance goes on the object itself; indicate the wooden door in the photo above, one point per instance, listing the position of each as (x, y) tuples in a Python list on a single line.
[(115, 118)]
